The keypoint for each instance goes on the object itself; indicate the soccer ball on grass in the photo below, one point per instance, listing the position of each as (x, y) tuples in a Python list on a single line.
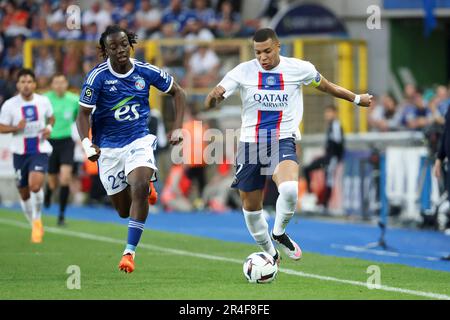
[(259, 267)]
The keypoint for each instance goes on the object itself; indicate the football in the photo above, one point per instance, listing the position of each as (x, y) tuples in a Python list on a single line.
[(259, 267)]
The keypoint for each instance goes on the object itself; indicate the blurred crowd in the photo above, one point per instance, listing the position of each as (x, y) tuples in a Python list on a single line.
[(202, 20), (418, 110)]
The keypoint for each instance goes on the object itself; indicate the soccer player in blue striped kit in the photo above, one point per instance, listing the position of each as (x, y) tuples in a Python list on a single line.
[(114, 102), (271, 91)]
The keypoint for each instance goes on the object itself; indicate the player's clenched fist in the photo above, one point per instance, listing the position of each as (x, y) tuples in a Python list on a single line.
[(92, 151), (217, 93), (215, 96), (175, 136), (366, 100)]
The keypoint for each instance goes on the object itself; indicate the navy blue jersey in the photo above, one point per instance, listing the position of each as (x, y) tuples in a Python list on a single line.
[(120, 102)]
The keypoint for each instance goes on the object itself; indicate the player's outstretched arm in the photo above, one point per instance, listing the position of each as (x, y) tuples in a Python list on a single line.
[(92, 151), (214, 97), (362, 100), (179, 98)]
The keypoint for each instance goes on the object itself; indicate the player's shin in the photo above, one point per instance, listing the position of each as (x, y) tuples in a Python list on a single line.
[(285, 207), (135, 229), (37, 198), (258, 228), (27, 208)]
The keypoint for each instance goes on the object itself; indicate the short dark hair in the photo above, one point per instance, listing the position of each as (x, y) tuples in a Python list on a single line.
[(56, 75), (264, 34), (25, 72), (111, 30)]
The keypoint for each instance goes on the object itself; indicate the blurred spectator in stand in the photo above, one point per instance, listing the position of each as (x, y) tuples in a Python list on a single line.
[(15, 21), (334, 152), (98, 15), (72, 60), (45, 11), (178, 15), (439, 104), (409, 94), (193, 151), (44, 67), (385, 117), (196, 32), (228, 22), (417, 116), (14, 54), (91, 32), (40, 29), (8, 77), (125, 13), (202, 68), (204, 13), (148, 19)]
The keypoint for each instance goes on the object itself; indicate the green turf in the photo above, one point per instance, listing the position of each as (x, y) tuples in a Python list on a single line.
[(38, 271)]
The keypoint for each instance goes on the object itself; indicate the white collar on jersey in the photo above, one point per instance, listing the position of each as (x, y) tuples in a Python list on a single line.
[(120, 75)]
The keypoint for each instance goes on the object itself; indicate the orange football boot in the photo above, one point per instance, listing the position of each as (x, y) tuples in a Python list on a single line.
[(153, 195), (126, 264), (37, 231)]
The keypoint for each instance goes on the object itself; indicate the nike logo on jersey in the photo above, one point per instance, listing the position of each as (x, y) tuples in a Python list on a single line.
[(286, 155)]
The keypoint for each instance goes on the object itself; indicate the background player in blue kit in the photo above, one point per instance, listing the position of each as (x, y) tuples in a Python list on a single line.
[(114, 103)]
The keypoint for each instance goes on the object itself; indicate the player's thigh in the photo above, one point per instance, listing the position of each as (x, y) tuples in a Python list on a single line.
[(252, 200), (140, 164), (287, 167), (37, 167), (111, 169), (20, 163), (285, 171), (139, 179), (36, 180)]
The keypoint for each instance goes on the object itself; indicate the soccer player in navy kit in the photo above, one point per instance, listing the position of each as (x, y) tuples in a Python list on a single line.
[(271, 91), (114, 103)]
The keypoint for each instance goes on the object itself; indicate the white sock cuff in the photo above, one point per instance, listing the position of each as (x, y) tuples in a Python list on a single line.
[(39, 195), (251, 212)]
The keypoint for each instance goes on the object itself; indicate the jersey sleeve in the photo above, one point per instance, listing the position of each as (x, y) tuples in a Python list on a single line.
[(230, 82), (90, 89), (158, 78), (310, 76), (5, 114)]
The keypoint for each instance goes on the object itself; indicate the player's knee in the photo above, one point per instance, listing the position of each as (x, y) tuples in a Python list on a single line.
[(35, 187), (123, 212), (289, 191), (140, 189)]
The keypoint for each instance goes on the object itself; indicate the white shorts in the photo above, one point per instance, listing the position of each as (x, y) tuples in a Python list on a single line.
[(114, 164)]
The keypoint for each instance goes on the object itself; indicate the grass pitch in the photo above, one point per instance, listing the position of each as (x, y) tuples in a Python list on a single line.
[(174, 266)]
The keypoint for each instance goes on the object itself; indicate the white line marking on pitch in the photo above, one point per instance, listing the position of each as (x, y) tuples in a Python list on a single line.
[(353, 248), (89, 236)]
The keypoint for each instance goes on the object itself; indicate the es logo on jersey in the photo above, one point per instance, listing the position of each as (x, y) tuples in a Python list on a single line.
[(124, 112), (87, 94)]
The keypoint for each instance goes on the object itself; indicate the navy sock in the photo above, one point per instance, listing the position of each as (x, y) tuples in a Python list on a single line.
[(135, 229)]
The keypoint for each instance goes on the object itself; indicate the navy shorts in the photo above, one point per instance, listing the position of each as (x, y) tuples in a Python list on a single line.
[(25, 163), (256, 161)]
